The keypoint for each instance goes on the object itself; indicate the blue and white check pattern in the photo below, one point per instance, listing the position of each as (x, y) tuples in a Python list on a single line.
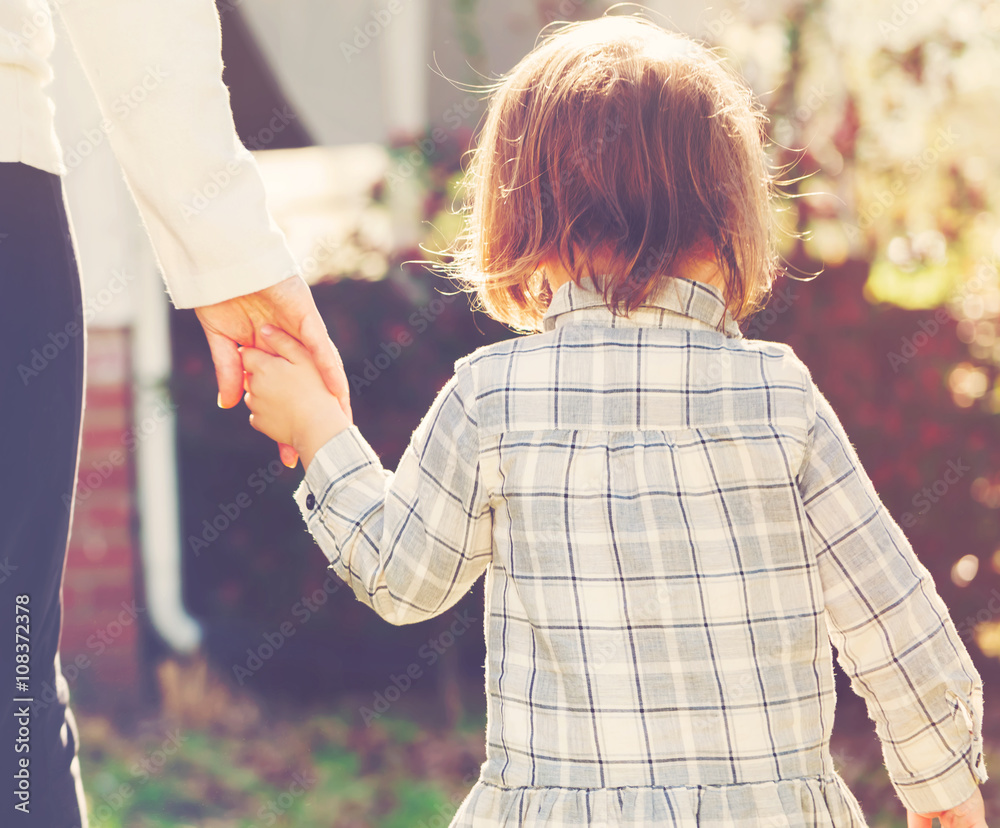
[(674, 527)]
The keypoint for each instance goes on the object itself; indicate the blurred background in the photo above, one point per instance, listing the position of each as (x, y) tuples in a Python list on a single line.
[(220, 675)]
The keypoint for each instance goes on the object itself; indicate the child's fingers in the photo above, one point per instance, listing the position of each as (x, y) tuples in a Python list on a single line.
[(289, 456), (284, 344), (251, 402), (257, 419), (254, 359)]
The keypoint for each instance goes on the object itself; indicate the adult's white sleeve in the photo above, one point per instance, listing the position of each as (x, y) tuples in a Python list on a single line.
[(156, 67)]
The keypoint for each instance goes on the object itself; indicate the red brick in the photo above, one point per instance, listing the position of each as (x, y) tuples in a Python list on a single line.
[(114, 555), (115, 398), (102, 556), (91, 577), (110, 597), (104, 440)]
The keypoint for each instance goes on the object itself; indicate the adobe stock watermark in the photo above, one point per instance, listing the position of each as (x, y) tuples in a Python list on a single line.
[(428, 655), (899, 17), (928, 496), (445, 812), (563, 10), (97, 643), (219, 180), (227, 7), (6, 569), (409, 161), (122, 106), (230, 511), (40, 21), (812, 102), (579, 160), (378, 21), (278, 805), (142, 770), (131, 439), (967, 628), (44, 353), (913, 169), (711, 719), (419, 321), (769, 315), (316, 263), (713, 28), (910, 346), (302, 610)]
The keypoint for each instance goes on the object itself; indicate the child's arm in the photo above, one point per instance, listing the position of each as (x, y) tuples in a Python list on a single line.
[(893, 633), (408, 543)]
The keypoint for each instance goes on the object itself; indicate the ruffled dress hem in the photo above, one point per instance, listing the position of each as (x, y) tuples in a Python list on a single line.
[(813, 802)]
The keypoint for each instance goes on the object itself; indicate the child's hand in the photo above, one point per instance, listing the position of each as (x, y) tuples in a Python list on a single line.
[(970, 814), (287, 398)]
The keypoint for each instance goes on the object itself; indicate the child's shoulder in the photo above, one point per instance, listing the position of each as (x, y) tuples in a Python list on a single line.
[(491, 363), (778, 362), (493, 360), (777, 351), (506, 348)]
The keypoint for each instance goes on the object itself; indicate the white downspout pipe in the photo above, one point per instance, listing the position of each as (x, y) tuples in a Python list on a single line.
[(403, 52), (156, 467)]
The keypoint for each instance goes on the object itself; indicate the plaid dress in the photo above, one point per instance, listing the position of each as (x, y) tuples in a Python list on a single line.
[(674, 528)]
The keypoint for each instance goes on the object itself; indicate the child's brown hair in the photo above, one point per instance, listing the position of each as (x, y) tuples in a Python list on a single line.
[(615, 140)]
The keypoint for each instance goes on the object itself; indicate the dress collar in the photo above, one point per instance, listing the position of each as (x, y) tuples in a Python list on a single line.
[(682, 303)]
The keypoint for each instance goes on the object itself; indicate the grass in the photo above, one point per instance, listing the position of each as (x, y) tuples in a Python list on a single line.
[(208, 759), (318, 772)]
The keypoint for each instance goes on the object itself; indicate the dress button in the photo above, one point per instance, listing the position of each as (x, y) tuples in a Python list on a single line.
[(310, 501)]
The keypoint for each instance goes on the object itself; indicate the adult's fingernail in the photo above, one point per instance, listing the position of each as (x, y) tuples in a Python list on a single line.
[(218, 400), (267, 330)]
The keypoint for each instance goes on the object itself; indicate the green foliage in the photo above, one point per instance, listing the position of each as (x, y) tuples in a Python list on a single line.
[(307, 773), (464, 12), (884, 117)]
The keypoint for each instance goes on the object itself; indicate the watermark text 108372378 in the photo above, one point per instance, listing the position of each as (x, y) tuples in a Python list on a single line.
[(22, 703)]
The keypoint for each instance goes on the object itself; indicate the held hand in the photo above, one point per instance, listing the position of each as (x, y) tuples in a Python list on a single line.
[(970, 814), (288, 305), (287, 397)]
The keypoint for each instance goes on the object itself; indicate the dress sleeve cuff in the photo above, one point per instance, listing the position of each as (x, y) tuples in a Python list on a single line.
[(956, 782), (950, 788), (342, 458)]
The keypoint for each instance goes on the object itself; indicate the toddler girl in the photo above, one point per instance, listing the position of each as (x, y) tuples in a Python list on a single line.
[(671, 519)]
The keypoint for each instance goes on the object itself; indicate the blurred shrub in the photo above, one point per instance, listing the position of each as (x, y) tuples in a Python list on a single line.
[(251, 570)]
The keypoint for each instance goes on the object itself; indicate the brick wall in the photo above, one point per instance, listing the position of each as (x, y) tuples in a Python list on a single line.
[(101, 607)]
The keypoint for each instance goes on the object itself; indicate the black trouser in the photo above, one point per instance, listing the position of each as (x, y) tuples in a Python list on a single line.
[(41, 405)]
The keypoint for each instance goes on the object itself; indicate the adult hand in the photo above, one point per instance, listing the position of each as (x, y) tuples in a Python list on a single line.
[(970, 814), (288, 399), (287, 305)]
